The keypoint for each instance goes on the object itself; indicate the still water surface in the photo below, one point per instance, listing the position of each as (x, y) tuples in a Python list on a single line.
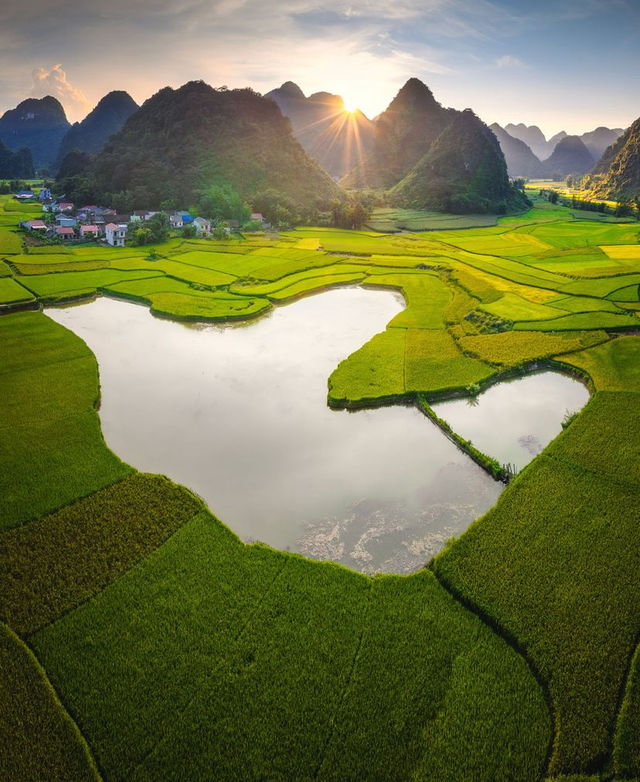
[(239, 415)]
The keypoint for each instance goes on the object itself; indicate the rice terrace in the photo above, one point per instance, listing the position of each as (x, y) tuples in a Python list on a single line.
[(145, 640), (320, 410)]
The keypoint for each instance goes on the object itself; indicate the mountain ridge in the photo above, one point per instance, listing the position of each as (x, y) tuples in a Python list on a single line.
[(182, 141), (37, 123), (333, 137), (105, 119)]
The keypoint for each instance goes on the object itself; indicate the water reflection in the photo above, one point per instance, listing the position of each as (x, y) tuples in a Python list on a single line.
[(514, 420), (239, 415)]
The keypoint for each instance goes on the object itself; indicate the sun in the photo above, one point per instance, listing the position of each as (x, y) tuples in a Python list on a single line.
[(350, 108)]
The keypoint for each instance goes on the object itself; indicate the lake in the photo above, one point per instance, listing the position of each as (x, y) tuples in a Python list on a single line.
[(238, 414)]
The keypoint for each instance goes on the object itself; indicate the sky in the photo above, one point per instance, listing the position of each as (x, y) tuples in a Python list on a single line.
[(563, 65)]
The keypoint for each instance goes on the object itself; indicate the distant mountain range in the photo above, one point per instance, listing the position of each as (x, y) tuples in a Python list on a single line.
[(520, 159), (41, 125), (423, 154), (106, 119), (569, 157), (37, 123), (338, 140), (529, 154)]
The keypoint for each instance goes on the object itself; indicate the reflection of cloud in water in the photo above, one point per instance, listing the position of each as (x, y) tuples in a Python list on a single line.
[(401, 537)]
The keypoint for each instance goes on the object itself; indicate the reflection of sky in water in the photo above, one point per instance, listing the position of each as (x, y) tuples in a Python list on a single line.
[(513, 421), (239, 415)]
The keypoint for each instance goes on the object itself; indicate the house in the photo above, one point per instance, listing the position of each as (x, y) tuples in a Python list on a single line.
[(176, 221), (116, 233), (186, 217), (257, 217), (202, 226), (89, 231), (34, 225), (139, 215), (66, 220), (65, 233), (44, 194), (24, 195), (64, 206)]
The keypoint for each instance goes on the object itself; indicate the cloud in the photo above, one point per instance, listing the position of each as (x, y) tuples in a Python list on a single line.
[(54, 82), (509, 61)]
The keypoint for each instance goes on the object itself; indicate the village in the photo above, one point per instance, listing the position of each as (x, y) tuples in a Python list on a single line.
[(63, 222)]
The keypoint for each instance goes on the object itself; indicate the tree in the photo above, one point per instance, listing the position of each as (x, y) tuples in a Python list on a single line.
[(142, 235), (221, 231), (350, 214), (159, 225), (222, 202), (359, 215), (122, 202), (189, 231), (276, 207), (624, 208)]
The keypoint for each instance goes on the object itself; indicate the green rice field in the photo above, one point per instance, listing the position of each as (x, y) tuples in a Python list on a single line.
[(141, 639)]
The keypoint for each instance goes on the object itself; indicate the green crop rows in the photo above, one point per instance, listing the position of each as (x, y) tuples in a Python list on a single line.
[(140, 639)]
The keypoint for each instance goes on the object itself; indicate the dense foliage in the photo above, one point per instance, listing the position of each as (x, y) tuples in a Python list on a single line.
[(617, 175), (17, 164), (182, 142), (464, 171)]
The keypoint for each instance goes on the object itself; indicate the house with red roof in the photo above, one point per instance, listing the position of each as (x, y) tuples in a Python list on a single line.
[(66, 233), (34, 225), (89, 231)]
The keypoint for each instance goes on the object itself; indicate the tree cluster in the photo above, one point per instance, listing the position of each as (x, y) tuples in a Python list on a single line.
[(351, 213)]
